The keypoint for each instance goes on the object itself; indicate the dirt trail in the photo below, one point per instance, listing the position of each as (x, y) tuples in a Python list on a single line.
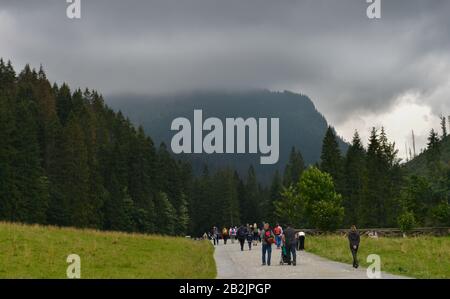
[(232, 263)]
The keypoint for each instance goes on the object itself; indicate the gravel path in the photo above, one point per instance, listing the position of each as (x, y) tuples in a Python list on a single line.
[(232, 263)]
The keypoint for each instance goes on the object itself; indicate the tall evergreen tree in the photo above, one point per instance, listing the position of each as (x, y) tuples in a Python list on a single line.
[(444, 126), (276, 189), (331, 159), (372, 202), (250, 207), (355, 181), (294, 168)]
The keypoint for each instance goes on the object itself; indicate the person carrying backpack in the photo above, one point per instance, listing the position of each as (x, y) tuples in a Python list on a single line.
[(267, 239), (241, 235), (278, 232), (225, 235)]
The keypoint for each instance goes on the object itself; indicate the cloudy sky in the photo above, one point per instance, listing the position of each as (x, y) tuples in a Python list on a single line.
[(359, 72)]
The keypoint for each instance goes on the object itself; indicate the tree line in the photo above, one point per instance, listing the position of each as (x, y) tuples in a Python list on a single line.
[(67, 159), (369, 186)]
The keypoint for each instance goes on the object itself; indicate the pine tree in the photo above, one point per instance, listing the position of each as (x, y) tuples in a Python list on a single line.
[(166, 220), (294, 168), (76, 174), (372, 201), (8, 189), (433, 154), (444, 126), (251, 206), (276, 189), (331, 159), (183, 220), (201, 208), (355, 180), (391, 179), (31, 200), (433, 140)]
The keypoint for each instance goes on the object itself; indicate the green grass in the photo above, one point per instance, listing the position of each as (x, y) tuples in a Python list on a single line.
[(420, 257), (41, 252)]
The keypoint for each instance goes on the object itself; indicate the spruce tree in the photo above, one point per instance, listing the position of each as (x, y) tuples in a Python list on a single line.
[(355, 181), (294, 168), (444, 126), (251, 207), (372, 202), (331, 159), (276, 189)]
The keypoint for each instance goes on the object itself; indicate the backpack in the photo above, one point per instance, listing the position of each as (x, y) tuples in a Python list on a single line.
[(277, 230), (242, 233), (268, 237)]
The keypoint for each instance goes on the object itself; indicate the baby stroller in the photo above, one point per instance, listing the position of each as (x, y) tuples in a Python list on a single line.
[(285, 256)]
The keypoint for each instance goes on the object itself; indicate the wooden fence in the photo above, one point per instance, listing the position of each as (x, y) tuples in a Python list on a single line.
[(385, 232)]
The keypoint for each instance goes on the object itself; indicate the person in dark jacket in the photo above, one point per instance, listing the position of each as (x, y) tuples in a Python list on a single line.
[(353, 238), (241, 236), (250, 236), (290, 241)]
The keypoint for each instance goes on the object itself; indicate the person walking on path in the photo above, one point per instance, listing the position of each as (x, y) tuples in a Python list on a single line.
[(225, 235), (301, 241), (241, 235), (233, 231), (250, 237), (354, 239), (278, 231), (215, 235), (255, 234), (267, 239), (290, 241)]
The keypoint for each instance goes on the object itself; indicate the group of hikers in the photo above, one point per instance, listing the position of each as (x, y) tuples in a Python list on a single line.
[(288, 240)]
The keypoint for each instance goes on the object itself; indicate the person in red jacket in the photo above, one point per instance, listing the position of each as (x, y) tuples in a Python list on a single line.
[(278, 232)]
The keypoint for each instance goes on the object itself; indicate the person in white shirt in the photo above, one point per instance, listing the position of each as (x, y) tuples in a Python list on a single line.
[(301, 241)]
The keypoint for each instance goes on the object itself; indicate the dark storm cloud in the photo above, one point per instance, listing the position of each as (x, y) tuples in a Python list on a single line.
[(327, 49)]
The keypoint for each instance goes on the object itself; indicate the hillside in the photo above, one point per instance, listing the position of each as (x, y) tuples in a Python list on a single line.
[(419, 165), (41, 252), (301, 125)]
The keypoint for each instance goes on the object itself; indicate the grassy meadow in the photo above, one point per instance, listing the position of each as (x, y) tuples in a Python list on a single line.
[(419, 257), (41, 252)]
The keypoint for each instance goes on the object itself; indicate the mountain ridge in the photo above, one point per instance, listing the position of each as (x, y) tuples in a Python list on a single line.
[(301, 124)]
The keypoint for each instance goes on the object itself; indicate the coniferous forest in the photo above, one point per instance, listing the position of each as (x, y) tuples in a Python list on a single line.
[(67, 159)]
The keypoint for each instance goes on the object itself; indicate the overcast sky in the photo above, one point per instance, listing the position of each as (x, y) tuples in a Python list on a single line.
[(359, 72)]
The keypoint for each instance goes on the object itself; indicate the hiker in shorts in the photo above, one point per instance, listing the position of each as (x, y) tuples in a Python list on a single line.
[(353, 239), (278, 232)]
